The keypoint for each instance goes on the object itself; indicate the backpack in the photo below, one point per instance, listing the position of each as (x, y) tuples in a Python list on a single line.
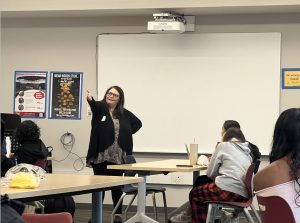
[(11, 210), (60, 204)]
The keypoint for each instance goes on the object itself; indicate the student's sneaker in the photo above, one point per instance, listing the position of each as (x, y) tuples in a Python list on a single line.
[(229, 217), (182, 217)]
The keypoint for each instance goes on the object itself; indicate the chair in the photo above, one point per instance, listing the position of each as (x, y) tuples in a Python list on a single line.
[(41, 163), (39, 205), (44, 163), (274, 209), (63, 217), (133, 190), (238, 207)]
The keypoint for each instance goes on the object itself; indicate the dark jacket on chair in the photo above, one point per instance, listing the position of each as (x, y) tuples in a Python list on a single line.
[(255, 154), (6, 164)]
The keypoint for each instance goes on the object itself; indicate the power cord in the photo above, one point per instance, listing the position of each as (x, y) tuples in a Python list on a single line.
[(68, 141)]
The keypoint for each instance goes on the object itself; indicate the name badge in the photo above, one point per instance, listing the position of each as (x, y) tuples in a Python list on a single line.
[(103, 119)]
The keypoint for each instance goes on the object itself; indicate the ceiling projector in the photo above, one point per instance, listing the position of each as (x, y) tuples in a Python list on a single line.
[(167, 23)]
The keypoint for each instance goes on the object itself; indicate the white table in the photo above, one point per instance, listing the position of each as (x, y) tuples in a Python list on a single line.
[(155, 167), (73, 184)]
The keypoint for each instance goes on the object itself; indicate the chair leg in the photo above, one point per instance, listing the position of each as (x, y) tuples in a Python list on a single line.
[(209, 213), (248, 216), (39, 205), (215, 208), (112, 217), (255, 213), (165, 206), (129, 205), (154, 205)]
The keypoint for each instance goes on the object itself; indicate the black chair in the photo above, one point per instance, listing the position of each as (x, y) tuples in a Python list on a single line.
[(133, 190), (11, 121)]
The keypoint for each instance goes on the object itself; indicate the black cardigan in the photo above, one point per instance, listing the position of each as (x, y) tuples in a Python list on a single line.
[(103, 132)]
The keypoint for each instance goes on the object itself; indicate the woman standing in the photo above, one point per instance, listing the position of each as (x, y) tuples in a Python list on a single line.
[(111, 135)]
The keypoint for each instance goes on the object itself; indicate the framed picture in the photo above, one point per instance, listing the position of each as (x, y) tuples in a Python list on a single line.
[(65, 95), (291, 78), (30, 93)]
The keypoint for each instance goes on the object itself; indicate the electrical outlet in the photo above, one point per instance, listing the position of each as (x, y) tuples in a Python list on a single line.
[(190, 23), (177, 179)]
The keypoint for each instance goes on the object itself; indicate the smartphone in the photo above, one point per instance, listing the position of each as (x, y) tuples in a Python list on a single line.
[(184, 165)]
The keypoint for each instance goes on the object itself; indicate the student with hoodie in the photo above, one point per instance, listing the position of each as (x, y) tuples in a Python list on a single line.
[(225, 180), (227, 170), (234, 124), (31, 147)]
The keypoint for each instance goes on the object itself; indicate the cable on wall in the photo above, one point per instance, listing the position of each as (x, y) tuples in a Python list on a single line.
[(68, 140)]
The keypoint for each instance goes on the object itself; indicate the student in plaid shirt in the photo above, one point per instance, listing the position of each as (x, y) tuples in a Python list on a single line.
[(224, 180)]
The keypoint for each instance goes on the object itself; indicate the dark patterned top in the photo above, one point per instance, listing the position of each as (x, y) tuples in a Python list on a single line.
[(103, 131), (114, 153)]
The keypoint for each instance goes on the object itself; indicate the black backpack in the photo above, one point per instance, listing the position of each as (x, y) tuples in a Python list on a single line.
[(11, 210), (60, 204)]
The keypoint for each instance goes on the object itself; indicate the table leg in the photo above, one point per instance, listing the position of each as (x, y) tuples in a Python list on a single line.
[(195, 175), (97, 207), (140, 216)]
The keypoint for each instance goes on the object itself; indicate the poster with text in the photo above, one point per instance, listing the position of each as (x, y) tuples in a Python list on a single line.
[(30, 93), (290, 78), (65, 95)]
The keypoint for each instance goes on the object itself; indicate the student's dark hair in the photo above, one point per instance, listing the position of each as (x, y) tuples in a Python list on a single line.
[(234, 133), (2, 130), (286, 141), (119, 110), (27, 131), (231, 124)]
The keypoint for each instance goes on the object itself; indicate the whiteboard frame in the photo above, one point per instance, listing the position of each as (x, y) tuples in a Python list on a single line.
[(257, 44)]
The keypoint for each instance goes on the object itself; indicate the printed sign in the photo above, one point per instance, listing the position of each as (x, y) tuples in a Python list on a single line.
[(65, 99), (291, 78), (30, 93)]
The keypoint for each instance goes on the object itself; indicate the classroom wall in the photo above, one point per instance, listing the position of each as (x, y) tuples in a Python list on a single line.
[(69, 44)]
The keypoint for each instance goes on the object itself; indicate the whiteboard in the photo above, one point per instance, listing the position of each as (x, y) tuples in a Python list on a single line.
[(184, 86)]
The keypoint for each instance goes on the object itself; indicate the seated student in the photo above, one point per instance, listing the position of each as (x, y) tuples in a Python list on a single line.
[(11, 210), (225, 177), (6, 163), (282, 176), (234, 124), (31, 146), (185, 216)]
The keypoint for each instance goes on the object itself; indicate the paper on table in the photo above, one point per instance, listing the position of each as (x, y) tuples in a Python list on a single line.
[(203, 160)]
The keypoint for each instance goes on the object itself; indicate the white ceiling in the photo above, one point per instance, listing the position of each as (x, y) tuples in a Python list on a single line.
[(11, 8)]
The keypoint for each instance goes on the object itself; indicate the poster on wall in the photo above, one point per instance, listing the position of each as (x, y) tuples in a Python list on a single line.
[(65, 95), (30, 94), (290, 78)]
